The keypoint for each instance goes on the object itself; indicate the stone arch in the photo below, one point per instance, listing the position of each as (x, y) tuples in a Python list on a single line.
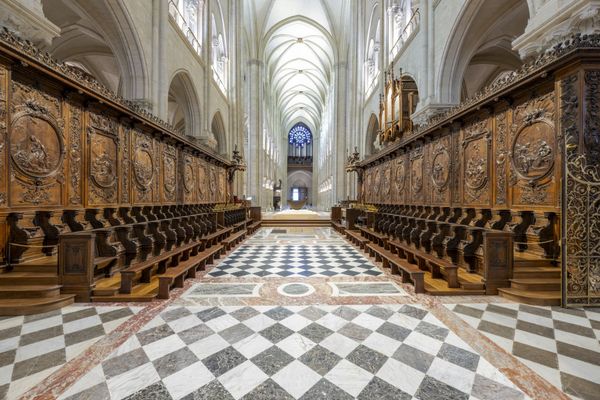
[(217, 127), (183, 105), (100, 37), (482, 33)]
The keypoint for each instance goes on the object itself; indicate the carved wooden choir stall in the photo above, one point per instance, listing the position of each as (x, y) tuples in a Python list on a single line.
[(99, 200), (470, 203)]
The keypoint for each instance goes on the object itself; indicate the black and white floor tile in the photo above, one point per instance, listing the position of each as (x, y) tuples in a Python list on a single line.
[(295, 261), (34, 346), (561, 345), (295, 352)]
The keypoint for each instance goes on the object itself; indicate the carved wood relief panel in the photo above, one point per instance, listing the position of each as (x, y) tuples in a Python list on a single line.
[(37, 143), (143, 167), (399, 172), (440, 167), (533, 152), (501, 159), (169, 163), (416, 175), (103, 158), (189, 179), (475, 175)]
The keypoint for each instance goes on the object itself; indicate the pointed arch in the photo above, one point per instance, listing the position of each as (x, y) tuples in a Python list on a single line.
[(100, 37), (217, 127), (372, 135), (183, 106)]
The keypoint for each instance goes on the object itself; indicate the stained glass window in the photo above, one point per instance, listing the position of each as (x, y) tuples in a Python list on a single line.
[(300, 135)]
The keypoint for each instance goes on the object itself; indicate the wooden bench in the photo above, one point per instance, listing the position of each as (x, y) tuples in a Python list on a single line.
[(241, 225), (374, 237), (439, 267), (408, 272), (175, 276), (338, 226), (234, 239), (171, 257), (253, 227), (217, 236), (356, 238)]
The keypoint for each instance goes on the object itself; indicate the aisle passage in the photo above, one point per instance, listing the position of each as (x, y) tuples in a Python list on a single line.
[(299, 313)]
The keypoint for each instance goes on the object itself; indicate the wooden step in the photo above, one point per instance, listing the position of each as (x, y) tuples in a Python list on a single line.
[(529, 261), (11, 307), (141, 292), (296, 222), (538, 298), (45, 264), (29, 291), (536, 284), (14, 278), (537, 272), (439, 287), (470, 281)]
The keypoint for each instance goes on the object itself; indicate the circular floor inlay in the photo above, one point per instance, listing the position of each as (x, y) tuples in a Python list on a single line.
[(295, 289)]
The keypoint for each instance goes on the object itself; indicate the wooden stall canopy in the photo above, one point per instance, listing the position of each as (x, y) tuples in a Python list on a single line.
[(67, 142)]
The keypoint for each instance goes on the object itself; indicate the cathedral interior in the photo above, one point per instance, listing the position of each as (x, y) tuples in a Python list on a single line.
[(300, 199)]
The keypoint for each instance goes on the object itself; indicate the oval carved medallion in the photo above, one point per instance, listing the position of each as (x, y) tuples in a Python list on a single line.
[(143, 167), (476, 168), (440, 169), (36, 146), (170, 179), (400, 176), (533, 151), (188, 176)]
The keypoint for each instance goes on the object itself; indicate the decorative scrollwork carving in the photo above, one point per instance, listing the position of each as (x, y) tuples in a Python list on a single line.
[(501, 158), (75, 154)]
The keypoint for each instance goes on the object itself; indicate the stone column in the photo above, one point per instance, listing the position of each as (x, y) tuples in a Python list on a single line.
[(255, 154), (160, 83), (26, 18)]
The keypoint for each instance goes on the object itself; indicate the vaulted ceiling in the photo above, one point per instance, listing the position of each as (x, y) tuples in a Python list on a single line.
[(298, 42)]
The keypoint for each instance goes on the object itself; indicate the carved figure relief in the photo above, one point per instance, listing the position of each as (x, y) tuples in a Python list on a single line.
[(387, 181), (103, 167), (440, 167), (125, 135), (222, 186), (532, 152), (212, 183), (202, 182), (170, 182), (399, 176), (36, 142), (36, 146), (416, 174), (533, 149), (475, 168), (475, 161), (143, 166), (377, 182), (188, 175)]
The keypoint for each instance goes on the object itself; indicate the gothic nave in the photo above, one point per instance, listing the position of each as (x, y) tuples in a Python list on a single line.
[(285, 199)]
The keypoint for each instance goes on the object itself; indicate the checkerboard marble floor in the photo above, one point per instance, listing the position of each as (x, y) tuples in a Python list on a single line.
[(345, 329), (300, 261), (295, 352), (34, 346), (561, 345)]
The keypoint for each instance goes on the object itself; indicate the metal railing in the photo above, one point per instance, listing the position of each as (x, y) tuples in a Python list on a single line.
[(406, 33), (184, 26)]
